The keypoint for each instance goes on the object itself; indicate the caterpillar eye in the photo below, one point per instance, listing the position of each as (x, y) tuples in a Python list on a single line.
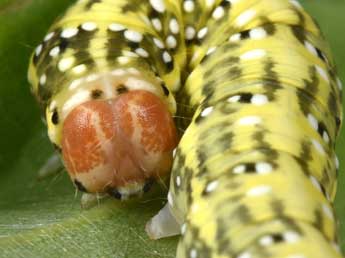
[(119, 143)]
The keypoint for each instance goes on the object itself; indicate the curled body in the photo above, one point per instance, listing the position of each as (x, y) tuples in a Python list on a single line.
[(254, 174)]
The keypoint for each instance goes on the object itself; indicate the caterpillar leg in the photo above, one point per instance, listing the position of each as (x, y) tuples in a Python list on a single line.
[(163, 224), (89, 200), (52, 166)]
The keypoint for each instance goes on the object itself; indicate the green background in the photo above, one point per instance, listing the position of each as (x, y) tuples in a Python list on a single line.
[(44, 219)]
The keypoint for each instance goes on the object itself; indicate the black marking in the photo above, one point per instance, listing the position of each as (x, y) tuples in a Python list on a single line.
[(115, 193), (132, 6), (57, 148), (80, 186), (225, 4), (55, 117), (90, 4), (165, 89), (120, 89), (321, 55), (148, 185), (299, 33), (277, 238), (270, 28), (96, 94), (244, 34), (278, 207), (245, 97)]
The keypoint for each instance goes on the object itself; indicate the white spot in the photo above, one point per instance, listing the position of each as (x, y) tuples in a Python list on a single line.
[(183, 228), (245, 255), (313, 121), (171, 41), (166, 57), (79, 69), (257, 33), (129, 53), (195, 208), (245, 17), (75, 84), (65, 63), (89, 26), (206, 111), (212, 186), (234, 99), (123, 59), (170, 199), (174, 152), (315, 183), (310, 48), (190, 32), (218, 13), (322, 73), (158, 5), (202, 32), (253, 54), (118, 72), (92, 77), (75, 100), (178, 181), (158, 43), (234, 38), (259, 190), (318, 146), (211, 50), (54, 51), (327, 211), (296, 4), (210, 3), (193, 253), (266, 240), (52, 105), (325, 136), (116, 27), (133, 70), (43, 79), (239, 169), (188, 6), (336, 162), (173, 26), (291, 237), (156, 24), (259, 99), (250, 120), (263, 167), (49, 36), (133, 35), (38, 50), (340, 85), (69, 33), (141, 52)]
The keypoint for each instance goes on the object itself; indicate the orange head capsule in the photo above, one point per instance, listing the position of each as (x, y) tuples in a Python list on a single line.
[(119, 145)]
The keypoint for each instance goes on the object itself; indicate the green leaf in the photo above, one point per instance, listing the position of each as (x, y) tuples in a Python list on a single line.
[(44, 219)]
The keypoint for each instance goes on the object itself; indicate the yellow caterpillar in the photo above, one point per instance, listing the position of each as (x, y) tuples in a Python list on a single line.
[(254, 174)]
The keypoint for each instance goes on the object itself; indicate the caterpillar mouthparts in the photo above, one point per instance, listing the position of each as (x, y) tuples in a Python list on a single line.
[(119, 143)]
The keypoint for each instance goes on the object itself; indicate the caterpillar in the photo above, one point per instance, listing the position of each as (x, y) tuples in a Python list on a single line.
[(252, 85)]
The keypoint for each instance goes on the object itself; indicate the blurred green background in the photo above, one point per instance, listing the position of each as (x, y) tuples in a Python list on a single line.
[(44, 219)]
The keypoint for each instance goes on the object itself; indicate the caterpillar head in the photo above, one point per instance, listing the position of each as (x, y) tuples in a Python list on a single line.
[(118, 145)]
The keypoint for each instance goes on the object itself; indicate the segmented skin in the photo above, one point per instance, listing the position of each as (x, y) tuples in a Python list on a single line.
[(255, 172)]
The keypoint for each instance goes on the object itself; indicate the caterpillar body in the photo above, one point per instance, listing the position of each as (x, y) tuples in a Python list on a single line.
[(254, 174)]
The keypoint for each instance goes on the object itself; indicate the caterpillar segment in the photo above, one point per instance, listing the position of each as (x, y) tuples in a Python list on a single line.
[(108, 111), (255, 172), (252, 85)]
